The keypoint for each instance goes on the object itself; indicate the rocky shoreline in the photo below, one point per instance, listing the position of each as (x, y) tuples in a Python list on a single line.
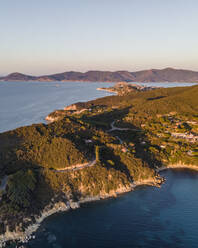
[(64, 195), (108, 90), (178, 166), (61, 206)]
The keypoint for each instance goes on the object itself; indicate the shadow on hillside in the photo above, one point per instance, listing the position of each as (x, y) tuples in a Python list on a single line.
[(136, 135), (108, 155), (155, 98), (98, 121), (103, 120)]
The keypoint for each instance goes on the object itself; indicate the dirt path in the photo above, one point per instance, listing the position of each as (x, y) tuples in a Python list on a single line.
[(77, 166)]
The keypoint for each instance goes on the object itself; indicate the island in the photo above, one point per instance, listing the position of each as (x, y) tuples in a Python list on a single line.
[(94, 150), (152, 75)]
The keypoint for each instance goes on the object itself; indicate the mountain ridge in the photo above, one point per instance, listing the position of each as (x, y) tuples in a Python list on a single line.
[(152, 75)]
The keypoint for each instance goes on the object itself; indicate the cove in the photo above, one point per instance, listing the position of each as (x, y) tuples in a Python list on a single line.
[(150, 217)]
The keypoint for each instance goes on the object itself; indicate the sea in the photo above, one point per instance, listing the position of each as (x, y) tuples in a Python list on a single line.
[(25, 103), (147, 217)]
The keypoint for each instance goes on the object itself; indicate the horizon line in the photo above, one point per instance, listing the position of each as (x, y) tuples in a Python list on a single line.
[(150, 69)]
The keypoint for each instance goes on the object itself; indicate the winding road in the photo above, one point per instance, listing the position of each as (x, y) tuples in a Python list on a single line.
[(77, 166), (93, 162), (113, 128)]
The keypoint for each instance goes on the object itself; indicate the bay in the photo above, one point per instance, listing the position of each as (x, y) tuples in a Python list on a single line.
[(25, 103)]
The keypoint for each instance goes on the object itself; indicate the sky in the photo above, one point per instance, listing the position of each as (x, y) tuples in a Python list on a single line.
[(47, 36)]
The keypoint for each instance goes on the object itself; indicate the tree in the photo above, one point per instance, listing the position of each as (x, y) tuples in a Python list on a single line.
[(20, 187)]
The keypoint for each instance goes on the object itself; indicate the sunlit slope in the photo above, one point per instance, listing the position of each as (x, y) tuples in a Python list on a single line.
[(52, 146)]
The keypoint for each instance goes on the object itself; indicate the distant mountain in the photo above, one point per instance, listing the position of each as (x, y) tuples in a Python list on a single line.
[(166, 75), (18, 77), (153, 75)]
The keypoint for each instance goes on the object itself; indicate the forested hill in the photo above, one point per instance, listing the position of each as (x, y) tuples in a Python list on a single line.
[(153, 75), (95, 150)]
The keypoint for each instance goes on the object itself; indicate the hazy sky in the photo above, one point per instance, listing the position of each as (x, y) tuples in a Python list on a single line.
[(48, 36)]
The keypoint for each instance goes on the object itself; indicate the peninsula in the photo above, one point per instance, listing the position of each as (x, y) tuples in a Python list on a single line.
[(94, 150), (153, 75), (124, 88)]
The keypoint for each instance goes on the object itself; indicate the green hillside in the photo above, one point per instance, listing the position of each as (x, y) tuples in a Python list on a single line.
[(117, 140)]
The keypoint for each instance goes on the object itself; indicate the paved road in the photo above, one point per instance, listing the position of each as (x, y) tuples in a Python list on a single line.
[(113, 128)]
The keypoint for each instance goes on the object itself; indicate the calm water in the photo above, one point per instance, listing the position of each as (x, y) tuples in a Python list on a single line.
[(148, 217), (25, 103)]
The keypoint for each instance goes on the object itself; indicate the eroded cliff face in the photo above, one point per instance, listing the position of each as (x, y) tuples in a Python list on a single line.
[(24, 234), (51, 119), (56, 115)]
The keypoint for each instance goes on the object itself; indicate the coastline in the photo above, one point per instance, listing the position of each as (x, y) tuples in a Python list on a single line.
[(178, 166), (108, 90), (63, 206)]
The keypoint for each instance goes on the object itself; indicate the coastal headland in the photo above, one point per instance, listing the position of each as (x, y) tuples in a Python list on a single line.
[(123, 88), (94, 150)]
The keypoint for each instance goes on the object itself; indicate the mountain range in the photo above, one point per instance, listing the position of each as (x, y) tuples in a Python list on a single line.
[(153, 75)]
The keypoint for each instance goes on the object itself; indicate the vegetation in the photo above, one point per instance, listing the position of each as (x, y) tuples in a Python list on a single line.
[(153, 128), (20, 188)]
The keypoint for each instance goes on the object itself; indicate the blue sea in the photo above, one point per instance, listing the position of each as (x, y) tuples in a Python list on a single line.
[(148, 217), (25, 103)]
